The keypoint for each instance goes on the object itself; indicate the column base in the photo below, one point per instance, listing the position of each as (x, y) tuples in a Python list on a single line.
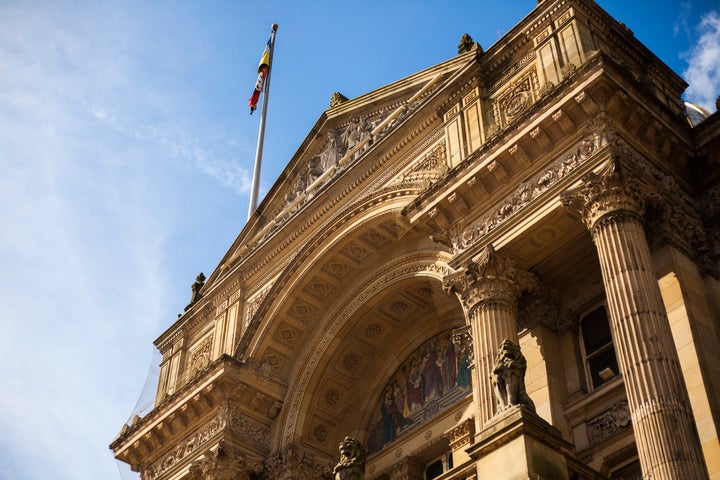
[(519, 445)]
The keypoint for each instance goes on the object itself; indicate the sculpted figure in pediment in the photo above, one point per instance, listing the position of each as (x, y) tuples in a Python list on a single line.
[(333, 150)]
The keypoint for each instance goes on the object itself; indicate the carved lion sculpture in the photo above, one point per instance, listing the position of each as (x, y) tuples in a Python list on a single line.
[(508, 377), (352, 461)]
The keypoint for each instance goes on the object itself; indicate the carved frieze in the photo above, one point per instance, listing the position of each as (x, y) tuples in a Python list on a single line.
[(526, 192), (345, 143), (184, 448), (247, 427), (427, 170), (609, 423), (462, 435)]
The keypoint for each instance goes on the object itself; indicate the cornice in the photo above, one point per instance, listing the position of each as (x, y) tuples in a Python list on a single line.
[(205, 390)]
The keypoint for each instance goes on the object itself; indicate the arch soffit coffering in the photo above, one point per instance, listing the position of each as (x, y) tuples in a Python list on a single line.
[(374, 219), (428, 266)]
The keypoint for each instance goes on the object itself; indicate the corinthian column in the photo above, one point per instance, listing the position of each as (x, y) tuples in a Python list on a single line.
[(489, 291), (612, 207)]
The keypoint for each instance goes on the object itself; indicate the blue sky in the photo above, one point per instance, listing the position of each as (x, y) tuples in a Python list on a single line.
[(126, 150)]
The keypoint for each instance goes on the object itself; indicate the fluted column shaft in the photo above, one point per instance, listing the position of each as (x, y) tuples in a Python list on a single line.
[(667, 441), (492, 321), (489, 290)]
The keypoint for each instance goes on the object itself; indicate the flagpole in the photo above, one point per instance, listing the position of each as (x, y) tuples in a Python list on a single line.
[(261, 134)]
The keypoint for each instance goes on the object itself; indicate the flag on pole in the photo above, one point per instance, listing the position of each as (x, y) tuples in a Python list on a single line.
[(263, 68)]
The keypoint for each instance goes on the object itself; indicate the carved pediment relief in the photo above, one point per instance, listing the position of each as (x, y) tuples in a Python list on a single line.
[(346, 137), (426, 169)]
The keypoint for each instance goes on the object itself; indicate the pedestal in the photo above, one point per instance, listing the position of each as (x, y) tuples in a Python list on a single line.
[(519, 445)]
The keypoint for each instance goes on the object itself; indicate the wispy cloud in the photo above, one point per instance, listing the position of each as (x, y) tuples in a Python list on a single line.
[(96, 159), (681, 21), (703, 72)]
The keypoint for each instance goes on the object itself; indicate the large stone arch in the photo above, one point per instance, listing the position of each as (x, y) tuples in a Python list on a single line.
[(359, 261), (362, 342)]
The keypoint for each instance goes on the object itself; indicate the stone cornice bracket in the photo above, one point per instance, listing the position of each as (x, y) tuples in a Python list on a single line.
[(610, 192), (492, 277)]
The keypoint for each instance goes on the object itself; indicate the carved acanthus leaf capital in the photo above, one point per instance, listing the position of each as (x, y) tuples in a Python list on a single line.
[(292, 465), (492, 277), (604, 193), (225, 462)]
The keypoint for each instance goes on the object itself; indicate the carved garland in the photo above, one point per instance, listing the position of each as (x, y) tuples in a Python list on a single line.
[(529, 191), (184, 449), (609, 423)]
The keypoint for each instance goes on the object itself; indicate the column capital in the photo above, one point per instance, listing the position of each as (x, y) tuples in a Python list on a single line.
[(224, 462), (492, 277), (607, 192)]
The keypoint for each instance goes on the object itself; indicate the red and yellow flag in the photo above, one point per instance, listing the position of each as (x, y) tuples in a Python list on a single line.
[(263, 68)]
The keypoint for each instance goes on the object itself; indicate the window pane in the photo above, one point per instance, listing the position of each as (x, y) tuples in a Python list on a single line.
[(596, 330), (434, 470), (599, 363)]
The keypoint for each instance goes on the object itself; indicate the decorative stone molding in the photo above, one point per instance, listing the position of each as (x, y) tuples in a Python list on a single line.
[(492, 277), (427, 170), (291, 465), (247, 427), (541, 307), (255, 301), (615, 419), (461, 436), (406, 469), (184, 449), (223, 463), (529, 191), (200, 357), (608, 193)]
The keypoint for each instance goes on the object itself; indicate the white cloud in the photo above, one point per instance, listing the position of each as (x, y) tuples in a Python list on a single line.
[(95, 168), (703, 72)]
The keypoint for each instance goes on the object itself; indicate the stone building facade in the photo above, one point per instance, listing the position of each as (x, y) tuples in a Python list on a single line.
[(553, 191)]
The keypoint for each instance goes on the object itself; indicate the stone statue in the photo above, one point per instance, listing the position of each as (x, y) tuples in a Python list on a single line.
[(467, 44), (352, 461), (196, 287), (508, 377)]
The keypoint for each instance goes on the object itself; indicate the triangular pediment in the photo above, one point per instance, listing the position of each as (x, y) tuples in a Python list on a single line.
[(343, 135)]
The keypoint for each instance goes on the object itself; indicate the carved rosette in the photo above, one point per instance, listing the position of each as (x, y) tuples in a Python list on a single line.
[(492, 277), (609, 193), (223, 463)]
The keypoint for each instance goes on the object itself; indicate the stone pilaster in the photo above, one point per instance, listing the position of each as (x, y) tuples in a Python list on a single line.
[(489, 290), (612, 208)]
